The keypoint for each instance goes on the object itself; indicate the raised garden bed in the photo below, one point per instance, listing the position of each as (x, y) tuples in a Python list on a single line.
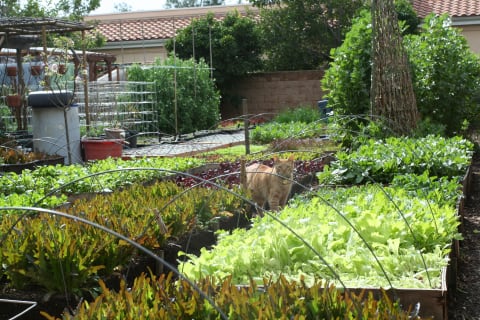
[(32, 165), (432, 301)]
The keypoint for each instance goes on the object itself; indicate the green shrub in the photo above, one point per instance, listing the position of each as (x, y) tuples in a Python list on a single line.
[(347, 80), (445, 75), (187, 100)]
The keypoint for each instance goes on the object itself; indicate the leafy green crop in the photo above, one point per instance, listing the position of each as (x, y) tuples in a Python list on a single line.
[(305, 114), (410, 249), (271, 131), (381, 160), (30, 188)]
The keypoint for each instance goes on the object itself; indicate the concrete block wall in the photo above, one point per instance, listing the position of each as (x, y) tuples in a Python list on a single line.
[(273, 92)]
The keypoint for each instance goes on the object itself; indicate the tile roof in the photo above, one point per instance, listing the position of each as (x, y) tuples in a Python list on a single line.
[(155, 25), (159, 28), (163, 24), (455, 8)]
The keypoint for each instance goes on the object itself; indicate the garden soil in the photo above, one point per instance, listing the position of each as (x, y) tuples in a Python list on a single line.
[(464, 301)]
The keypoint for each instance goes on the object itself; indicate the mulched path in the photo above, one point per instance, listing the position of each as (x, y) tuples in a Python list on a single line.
[(464, 302)]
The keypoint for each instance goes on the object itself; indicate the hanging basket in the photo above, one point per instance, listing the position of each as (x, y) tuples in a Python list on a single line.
[(14, 101), (62, 69), (11, 71), (35, 70)]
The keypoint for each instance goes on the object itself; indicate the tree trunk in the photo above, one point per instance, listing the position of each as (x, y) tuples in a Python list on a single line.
[(392, 96)]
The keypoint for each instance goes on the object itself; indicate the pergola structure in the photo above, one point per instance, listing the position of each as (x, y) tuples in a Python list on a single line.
[(23, 33)]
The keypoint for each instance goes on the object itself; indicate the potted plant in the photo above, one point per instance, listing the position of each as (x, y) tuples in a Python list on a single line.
[(35, 69), (115, 131)]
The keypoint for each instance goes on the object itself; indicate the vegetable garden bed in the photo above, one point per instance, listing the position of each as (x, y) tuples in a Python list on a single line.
[(192, 212)]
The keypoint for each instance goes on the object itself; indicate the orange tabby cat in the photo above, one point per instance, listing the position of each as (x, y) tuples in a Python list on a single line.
[(271, 185)]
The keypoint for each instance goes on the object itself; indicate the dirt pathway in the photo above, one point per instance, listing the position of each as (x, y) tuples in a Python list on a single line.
[(465, 303)]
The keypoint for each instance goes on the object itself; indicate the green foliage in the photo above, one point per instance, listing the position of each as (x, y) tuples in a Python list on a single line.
[(58, 254), (166, 298), (381, 160), (71, 10), (232, 43), (408, 16), (271, 131), (347, 80), (30, 188), (187, 100), (298, 35), (299, 114), (79, 254), (398, 229), (134, 211), (445, 75), (170, 4)]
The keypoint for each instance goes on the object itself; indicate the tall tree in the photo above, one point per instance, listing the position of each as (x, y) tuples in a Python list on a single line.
[(392, 96), (299, 34), (192, 3), (73, 10), (122, 7), (231, 46)]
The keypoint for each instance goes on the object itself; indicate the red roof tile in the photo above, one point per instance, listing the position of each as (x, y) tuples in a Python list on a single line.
[(455, 8), (155, 25), (163, 24)]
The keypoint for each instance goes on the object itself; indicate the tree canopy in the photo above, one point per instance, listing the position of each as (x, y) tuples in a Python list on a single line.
[(230, 46), (192, 3), (445, 75), (73, 10), (299, 34)]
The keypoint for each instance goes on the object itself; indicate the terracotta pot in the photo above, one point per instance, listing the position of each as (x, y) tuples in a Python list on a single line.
[(35, 70), (14, 101), (98, 149), (12, 71)]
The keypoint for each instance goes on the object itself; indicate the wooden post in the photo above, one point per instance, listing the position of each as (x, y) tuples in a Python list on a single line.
[(243, 174), (84, 78), (246, 124)]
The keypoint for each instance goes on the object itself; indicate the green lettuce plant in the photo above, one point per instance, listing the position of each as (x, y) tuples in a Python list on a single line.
[(359, 237)]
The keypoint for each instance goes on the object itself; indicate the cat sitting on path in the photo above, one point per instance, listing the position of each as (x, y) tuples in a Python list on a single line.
[(270, 185)]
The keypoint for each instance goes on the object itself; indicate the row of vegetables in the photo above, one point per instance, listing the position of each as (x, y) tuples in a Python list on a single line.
[(391, 227)]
